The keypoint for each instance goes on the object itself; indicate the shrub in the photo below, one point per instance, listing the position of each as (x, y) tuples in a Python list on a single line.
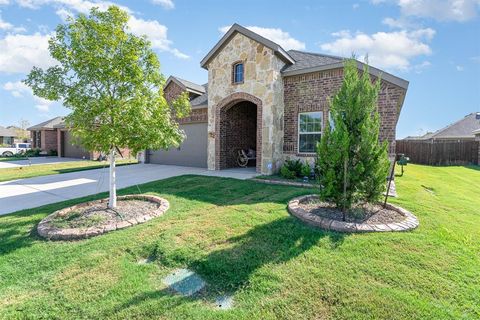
[(351, 162), (32, 152), (287, 173), (53, 152), (295, 166), (306, 170)]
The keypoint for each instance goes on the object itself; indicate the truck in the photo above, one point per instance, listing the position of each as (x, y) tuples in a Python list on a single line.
[(16, 148)]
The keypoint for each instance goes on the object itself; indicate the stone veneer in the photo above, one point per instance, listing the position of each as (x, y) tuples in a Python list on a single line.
[(312, 91), (262, 81)]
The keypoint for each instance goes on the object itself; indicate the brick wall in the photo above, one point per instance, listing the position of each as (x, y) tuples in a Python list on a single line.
[(48, 140), (311, 92), (195, 116), (237, 131), (172, 91)]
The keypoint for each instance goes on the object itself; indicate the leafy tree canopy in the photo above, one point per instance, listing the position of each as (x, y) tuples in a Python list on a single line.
[(111, 81)]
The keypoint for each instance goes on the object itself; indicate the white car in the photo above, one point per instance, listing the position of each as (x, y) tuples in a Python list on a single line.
[(17, 148)]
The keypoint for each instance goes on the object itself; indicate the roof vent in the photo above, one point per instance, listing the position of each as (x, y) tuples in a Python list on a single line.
[(477, 116)]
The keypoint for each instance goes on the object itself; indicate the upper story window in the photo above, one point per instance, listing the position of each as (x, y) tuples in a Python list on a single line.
[(238, 72), (309, 131)]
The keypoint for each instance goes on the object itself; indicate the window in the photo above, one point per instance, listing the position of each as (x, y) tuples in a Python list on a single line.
[(22, 145), (309, 131), (238, 73)]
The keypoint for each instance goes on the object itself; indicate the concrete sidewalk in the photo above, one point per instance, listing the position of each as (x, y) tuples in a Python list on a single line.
[(33, 192)]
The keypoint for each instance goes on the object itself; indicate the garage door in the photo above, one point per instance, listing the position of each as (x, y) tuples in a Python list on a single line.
[(192, 152), (73, 151)]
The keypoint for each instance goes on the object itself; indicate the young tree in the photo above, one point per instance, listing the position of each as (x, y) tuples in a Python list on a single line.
[(21, 131), (351, 162), (110, 79)]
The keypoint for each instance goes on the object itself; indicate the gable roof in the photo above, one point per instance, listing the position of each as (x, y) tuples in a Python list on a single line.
[(202, 100), (305, 60), (49, 124), (236, 28), (7, 132), (463, 128), (186, 85)]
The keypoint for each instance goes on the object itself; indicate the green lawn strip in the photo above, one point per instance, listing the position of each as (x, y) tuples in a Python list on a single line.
[(12, 158), (7, 174), (239, 237), (277, 177)]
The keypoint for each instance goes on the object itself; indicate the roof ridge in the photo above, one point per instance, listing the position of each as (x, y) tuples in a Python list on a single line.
[(318, 54)]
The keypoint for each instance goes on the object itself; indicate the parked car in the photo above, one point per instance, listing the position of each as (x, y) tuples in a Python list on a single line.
[(16, 148)]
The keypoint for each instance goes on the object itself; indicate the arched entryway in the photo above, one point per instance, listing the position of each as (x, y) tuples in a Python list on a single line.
[(238, 126)]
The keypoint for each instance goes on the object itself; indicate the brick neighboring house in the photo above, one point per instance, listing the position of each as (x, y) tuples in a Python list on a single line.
[(262, 97), (8, 135), (53, 135)]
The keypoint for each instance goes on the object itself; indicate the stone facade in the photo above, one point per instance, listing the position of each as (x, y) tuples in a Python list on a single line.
[(312, 91), (263, 81)]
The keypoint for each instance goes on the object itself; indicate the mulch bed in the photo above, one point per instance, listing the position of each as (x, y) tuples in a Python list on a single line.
[(94, 218), (366, 213), (363, 218)]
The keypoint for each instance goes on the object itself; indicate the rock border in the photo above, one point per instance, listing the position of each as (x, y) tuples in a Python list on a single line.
[(411, 222), (46, 230)]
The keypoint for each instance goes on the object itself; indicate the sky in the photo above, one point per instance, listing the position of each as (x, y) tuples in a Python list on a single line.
[(434, 44)]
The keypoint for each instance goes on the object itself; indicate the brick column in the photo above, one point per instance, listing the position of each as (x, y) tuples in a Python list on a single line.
[(59, 143)]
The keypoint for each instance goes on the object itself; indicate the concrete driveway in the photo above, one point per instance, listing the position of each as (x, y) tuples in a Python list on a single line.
[(33, 192), (34, 161)]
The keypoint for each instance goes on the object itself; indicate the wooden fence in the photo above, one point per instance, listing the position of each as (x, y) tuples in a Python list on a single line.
[(440, 153)]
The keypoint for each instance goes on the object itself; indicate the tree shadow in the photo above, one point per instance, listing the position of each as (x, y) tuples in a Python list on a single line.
[(276, 242), (473, 167)]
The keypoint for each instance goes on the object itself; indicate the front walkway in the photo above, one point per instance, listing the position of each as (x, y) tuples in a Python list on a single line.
[(33, 192)]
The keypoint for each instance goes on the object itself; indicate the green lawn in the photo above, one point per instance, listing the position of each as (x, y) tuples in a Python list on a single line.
[(239, 237), (14, 158), (7, 174)]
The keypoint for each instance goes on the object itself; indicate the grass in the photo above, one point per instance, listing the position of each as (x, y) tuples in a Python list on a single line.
[(277, 177), (239, 237), (14, 158), (7, 174)]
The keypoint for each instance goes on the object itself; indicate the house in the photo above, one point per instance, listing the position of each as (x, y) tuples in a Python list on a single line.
[(52, 136), (7, 135), (262, 97), (464, 129)]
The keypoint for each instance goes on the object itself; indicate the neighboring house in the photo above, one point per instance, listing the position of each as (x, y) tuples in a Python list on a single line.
[(7, 135), (53, 135), (262, 97), (463, 130), (44, 135)]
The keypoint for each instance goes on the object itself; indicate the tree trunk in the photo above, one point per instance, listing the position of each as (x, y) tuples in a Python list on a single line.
[(112, 200)]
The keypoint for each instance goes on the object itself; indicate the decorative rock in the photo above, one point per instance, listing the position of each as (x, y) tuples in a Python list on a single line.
[(410, 222), (47, 230), (184, 282)]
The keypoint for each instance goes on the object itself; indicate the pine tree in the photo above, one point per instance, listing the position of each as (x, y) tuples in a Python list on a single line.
[(351, 162)]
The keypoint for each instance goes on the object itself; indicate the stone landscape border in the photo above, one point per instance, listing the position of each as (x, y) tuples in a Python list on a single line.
[(410, 222), (47, 230)]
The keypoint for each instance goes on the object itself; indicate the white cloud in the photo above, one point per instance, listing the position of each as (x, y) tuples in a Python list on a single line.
[(19, 90), (21, 52), (441, 10), (418, 68), (276, 35), (7, 26), (155, 32), (4, 2), (42, 107), (166, 4), (390, 50), (459, 68)]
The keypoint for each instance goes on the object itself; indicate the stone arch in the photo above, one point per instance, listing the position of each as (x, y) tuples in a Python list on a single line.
[(220, 117)]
